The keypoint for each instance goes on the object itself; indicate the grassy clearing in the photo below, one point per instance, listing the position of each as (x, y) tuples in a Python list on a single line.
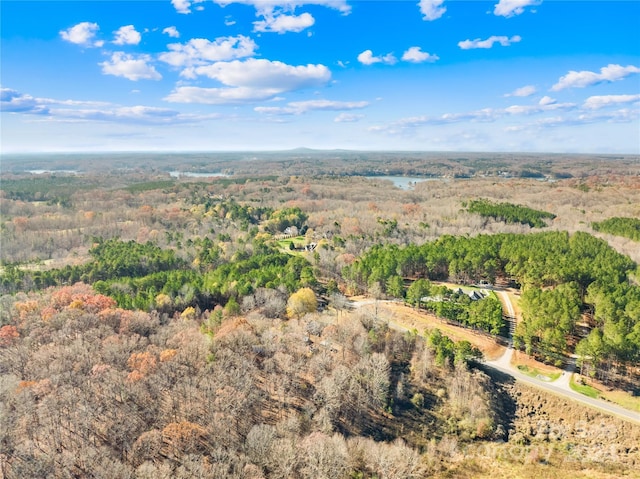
[(584, 389), (537, 373), (298, 242), (624, 399)]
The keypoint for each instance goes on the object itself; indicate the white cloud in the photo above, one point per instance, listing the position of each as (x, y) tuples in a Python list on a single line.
[(82, 34), (199, 51), (80, 111), (584, 78), (172, 32), (250, 80), (121, 113), (219, 96), (547, 100), (510, 8), (133, 68), (523, 91), (260, 73), (266, 7), (127, 35), (300, 107), (184, 6), (597, 102), (489, 42), (485, 115), (367, 58), (432, 9), (623, 115), (416, 55), (347, 118), (284, 23), (15, 102), (545, 104), (139, 114)]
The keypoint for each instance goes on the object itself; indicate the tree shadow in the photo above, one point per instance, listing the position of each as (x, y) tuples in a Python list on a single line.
[(505, 405)]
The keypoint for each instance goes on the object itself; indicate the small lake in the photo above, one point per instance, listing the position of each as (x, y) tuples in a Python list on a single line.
[(191, 174), (402, 182)]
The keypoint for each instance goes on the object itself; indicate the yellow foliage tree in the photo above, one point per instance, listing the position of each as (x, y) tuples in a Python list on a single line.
[(301, 302), (163, 301), (189, 313)]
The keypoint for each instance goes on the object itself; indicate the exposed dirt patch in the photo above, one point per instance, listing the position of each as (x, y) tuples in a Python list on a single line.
[(410, 318)]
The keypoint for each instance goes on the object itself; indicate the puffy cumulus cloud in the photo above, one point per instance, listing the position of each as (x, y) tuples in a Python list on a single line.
[(489, 42), (527, 90), (260, 73), (602, 101), (510, 8), (284, 23), (300, 107), (546, 100), (82, 34), (133, 68), (127, 35), (184, 6), (199, 51), (250, 80), (585, 78), (171, 31), (416, 55), (348, 118), (431, 9), (367, 58)]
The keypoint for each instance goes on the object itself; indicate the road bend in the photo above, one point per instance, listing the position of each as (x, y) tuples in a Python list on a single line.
[(559, 387)]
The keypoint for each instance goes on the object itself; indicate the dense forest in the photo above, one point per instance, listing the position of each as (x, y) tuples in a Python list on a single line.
[(160, 326), (561, 276), (510, 213), (627, 227)]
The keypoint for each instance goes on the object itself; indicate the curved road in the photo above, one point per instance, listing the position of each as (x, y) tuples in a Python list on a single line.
[(560, 387)]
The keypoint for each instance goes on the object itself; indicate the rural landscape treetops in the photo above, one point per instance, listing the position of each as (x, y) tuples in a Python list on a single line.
[(220, 316)]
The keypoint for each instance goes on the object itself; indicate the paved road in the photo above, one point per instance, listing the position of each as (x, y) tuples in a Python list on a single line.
[(559, 387)]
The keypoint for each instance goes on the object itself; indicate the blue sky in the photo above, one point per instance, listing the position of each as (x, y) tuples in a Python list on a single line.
[(433, 75)]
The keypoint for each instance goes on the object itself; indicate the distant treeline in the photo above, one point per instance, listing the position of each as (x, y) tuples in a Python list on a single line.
[(52, 189), (618, 226), (510, 213)]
